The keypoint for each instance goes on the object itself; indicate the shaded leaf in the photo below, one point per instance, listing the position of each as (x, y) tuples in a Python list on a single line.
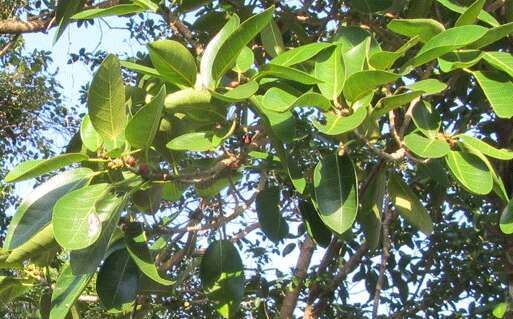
[(173, 61), (68, 288), (470, 171), (426, 119), (372, 209), (315, 228), (269, 215), (272, 39), (506, 221), (287, 73), (362, 83), (485, 148)]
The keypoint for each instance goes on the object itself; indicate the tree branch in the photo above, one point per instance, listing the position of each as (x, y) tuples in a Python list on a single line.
[(297, 283)]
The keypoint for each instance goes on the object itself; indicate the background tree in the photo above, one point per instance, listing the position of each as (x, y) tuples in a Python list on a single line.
[(378, 130)]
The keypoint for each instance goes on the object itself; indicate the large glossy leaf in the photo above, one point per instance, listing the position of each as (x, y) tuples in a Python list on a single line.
[(362, 83), (75, 219), (355, 59), (36, 209), (426, 147), (424, 28), (329, 68), (39, 244), (408, 205), (300, 54), (212, 49), (459, 60), (446, 42), (278, 100), (498, 89), (336, 191), (67, 290), (372, 209), (222, 276), (106, 100), (238, 94), (118, 281), (287, 73), (63, 13), (269, 215), (485, 148), (492, 35), (244, 61), (506, 221), (426, 119), (385, 59), (87, 260), (337, 124), (174, 62), (470, 15), (272, 39), (470, 171), (120, 9), (136, 243), (90, 138), (236, 41), (34, 168), (315, 228), (484, 16), (195, 142), (141, 129), (502, 61)]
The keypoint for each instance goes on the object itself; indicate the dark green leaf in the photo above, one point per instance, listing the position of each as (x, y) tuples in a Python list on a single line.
[(362, 83), (314, 225), (269, 215), (336, 191), (506, 221), (65, 9), (67, 290), (372, 209), (459, 60), (371, 6), (426, 119)]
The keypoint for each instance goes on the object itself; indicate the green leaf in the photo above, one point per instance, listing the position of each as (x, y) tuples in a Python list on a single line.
[(470, 171), (67, 290), (146, 70), (287, 73), (389, 103), (118, 10), (174, 62), (195, 142), (278, 100), (446, 42), (36, 209), (282, 124), (498, 89), (492, 35), (426, 147), (12, 288), (222, 277), (349, 37), (63, 13), (470, 15), (86, 261), (106, 100), (244, 61), (330, 69), (315, 228), (212, 50), (269, 215), (136, 242), (429, 86), (272, 40), (371, 6), (188, 99), (506, 221), (141, 129), (42, 242), (483, 15), (75, 219), (408, 205), (148, 4), (148, 199), (372, 209), (424, 28), (118, 281), (236, 41), (362, 83), (239, 93), (336, 191), (299, 54), (90, 138), (34, 168), (485, 148), (385, 60), (426, 119), (499, 311), (502, 61), (354, 60), (459, 60), (337, 124)]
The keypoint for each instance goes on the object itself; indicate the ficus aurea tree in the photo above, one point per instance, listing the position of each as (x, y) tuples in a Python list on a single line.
[(364, 139)]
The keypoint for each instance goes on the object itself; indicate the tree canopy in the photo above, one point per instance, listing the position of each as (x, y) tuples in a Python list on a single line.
[(370, 140)]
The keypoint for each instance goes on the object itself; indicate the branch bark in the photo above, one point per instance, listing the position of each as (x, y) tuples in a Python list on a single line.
[(303, 262)]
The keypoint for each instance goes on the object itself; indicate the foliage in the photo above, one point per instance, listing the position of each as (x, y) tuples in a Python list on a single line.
[(390, 137)]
